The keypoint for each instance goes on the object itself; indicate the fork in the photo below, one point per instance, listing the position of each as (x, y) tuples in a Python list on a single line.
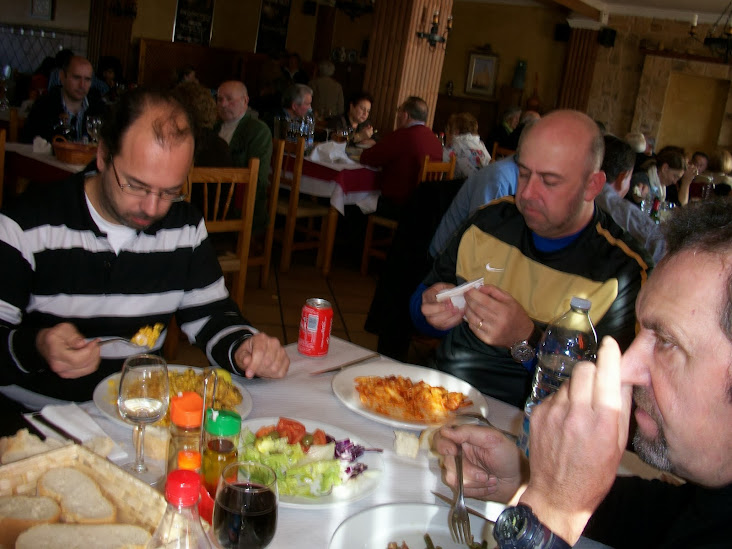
[(458, 519), (117, 338), (509, 435)]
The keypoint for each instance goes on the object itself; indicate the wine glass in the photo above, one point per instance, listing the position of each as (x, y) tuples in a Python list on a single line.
[(143, 399), (93, 123), (245, 511)]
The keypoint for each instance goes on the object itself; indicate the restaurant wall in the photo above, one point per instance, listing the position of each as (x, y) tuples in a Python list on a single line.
[(514, 32), (351, 34), (618, 70), (69, 14)]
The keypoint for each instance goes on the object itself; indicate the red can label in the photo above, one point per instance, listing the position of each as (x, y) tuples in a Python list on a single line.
[(315, 324)]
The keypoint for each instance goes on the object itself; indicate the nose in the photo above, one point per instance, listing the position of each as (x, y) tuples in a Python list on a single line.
[(636, 361), (150, 204), (527, 190)]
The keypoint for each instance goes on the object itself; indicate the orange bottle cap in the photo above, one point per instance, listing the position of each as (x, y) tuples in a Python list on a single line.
[(186, 409)]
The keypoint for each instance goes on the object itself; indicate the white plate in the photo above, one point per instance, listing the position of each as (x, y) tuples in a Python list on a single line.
[(408, 522), (354, 489), (105, 396), (344, 388)]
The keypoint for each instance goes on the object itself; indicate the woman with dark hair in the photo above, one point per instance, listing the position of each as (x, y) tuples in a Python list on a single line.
[(355, 121), (664, 171)]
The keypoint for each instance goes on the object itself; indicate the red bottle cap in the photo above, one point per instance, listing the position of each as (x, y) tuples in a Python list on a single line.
[(206, 505), (182, 487)]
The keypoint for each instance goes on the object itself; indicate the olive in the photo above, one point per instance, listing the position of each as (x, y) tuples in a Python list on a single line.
[(307, 440), (274, 435)]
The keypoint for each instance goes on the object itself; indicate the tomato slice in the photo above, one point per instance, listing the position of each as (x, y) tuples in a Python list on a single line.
[(264, 431), (293, 430), (319, 437)]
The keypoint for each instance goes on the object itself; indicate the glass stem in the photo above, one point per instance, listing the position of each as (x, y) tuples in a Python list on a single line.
[(140, 448)]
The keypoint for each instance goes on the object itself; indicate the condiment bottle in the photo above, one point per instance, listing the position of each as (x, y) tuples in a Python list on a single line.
[(181, 525), (185, 426), (221, 440)]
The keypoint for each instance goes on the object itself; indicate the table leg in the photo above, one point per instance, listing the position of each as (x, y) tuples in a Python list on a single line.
[(330, 239)]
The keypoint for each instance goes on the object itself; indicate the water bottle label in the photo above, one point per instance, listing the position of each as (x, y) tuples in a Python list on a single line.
[(523, 441)]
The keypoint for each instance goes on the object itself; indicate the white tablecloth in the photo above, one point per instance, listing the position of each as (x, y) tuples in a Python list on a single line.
[(26, 149), (301, 395)]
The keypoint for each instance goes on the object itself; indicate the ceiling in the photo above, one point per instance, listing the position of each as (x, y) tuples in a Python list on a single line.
[(708, 11)]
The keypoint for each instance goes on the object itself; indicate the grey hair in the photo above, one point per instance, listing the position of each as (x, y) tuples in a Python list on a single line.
[(296, 94)]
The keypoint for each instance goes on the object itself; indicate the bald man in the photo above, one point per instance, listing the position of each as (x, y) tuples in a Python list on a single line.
[(534, 251), (71, 100), (247, 137)]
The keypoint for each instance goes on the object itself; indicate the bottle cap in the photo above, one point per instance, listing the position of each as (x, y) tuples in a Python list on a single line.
[(182, 487), (581, 304), (189, 460), (222, 423), (185, 409)]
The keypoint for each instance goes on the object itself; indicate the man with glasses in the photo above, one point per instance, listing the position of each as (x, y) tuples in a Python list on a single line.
[(101, 256)]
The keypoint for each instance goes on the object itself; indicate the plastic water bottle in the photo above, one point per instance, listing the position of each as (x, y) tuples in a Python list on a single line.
[(309, 131), (569, 339)]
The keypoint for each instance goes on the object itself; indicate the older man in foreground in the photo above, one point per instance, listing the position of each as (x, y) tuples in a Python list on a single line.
[(680, 374)]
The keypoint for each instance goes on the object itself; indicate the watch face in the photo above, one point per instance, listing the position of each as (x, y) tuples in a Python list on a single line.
[(522, 351), (510, 524)]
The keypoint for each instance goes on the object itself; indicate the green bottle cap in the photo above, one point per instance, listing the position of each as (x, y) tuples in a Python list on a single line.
[(223, 423)]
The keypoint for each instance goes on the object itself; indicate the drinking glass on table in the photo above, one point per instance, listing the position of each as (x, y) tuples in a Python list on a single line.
[(143, 399), (245, 511), (93, 123)]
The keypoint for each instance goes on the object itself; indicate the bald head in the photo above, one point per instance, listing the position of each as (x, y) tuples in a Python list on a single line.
[(232, 100), (559, 158)]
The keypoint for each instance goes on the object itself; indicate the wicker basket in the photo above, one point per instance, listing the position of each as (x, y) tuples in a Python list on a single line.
[(136, 502), (73, 153)]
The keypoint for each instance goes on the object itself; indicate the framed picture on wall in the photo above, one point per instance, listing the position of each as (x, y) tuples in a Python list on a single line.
[(193, 21), (42, 9), (482, 73)]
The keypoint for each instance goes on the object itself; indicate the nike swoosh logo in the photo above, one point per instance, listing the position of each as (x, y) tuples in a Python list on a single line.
[(492, 269)]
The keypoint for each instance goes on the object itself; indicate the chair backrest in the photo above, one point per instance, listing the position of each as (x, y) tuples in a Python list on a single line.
[(437, 171), (292, 160), (2, 165), (14, 125), (500, 152)]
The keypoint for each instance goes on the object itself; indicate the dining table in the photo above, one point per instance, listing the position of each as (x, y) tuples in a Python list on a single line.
[(307, 397), (343, 183)]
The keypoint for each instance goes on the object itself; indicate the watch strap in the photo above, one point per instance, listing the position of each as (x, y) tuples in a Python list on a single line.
[(519, 528)]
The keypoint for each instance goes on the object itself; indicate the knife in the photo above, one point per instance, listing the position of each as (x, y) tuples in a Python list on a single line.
[(346, 364), (471, 511), (65, 434)]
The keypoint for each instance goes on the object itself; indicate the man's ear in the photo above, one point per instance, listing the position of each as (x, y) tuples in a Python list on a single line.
[(594, 185), (622, 182), (102, 156)]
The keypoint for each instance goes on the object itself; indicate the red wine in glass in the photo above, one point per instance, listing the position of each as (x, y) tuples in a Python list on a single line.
[(245, 516)]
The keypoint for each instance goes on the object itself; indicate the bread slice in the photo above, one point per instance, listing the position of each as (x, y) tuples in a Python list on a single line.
[(23, 444), (80, 498), (83, 536), (406, 444), (18, 513)]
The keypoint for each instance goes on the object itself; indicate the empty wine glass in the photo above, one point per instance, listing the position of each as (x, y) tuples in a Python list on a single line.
[(143, 399), (93, 123), (245, 512)]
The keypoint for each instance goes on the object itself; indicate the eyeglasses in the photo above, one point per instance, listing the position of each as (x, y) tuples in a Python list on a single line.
[(142, 192)]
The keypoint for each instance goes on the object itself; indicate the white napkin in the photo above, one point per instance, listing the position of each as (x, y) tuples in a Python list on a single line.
[(41, 146), (330, 151), (77, 422)]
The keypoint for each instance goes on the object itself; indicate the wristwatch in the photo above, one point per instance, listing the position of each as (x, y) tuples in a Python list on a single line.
[(519, 528), (524, 350)]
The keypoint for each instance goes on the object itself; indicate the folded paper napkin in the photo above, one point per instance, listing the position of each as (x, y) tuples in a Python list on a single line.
[(332, 152), (77, 422), (41, 146)]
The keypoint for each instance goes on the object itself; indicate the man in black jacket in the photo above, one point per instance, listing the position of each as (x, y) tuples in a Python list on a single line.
[(65, 109)]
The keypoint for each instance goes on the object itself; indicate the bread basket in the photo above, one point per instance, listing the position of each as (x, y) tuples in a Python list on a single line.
[(73, 153), (136, 502)]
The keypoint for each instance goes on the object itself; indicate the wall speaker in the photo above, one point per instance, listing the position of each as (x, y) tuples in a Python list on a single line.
[(561, 32), (606, 37)]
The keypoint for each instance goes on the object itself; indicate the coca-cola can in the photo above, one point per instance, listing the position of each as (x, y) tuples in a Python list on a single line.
[(315, 324)]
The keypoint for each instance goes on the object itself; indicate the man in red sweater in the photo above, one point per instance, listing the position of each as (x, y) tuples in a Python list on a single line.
[(400, 156)]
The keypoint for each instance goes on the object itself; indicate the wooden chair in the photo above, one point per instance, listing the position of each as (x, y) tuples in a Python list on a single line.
[(431, 171), (218, 188), (500, 152), (295, 209), (15, 123), (2, 165), (262, 257)]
